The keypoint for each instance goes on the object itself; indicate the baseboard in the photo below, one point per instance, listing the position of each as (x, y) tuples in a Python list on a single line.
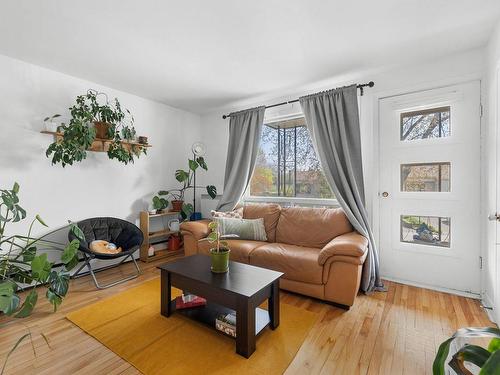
[(489, 307), (432, 287)]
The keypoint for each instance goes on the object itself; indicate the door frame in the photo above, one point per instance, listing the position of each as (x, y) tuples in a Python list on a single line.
[(375, 175)]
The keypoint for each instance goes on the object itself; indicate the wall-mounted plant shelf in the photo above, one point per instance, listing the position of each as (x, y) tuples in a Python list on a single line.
[(101, 144)]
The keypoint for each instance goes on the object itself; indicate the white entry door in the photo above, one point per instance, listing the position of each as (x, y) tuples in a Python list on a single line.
[(430, 187)]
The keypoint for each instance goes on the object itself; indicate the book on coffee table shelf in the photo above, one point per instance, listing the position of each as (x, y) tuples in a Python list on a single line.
[(187, 301), (226, 324)]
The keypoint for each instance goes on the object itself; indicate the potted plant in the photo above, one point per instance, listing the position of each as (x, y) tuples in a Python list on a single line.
[(159, 204), (95, 118), (219, 255), (50, 124), (22, 264), (186, 178), (487, 360)]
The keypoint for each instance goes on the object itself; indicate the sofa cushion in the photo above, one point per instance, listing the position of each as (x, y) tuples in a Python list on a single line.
[(245, 229), (311, 227), (296, 262), (269, 212), (240, 249)]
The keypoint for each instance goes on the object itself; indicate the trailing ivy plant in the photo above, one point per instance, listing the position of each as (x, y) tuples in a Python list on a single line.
[(487, 360), (186, 179), (79, 134), (23, 265)]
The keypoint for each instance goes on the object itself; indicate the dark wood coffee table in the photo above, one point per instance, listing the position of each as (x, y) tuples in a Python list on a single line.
[(240, 290)]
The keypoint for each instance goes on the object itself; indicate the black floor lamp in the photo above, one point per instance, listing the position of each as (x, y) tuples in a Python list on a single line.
[(198, 149)]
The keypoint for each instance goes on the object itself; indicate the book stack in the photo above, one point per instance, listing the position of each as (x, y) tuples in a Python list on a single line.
[(227, 324), (187, 301)]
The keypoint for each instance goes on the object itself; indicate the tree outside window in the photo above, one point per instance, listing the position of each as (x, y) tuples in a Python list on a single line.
[(287, 165)]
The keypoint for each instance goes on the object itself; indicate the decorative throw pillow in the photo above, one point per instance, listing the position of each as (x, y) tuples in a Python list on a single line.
[(104, 247), (245, 229), (236, 214)]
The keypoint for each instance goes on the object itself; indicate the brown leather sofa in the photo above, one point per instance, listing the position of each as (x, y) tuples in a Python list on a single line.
[(317, 249)]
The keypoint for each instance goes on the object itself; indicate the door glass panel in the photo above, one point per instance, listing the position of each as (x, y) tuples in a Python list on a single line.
[(425, 177), (424, 124), (426, 230)]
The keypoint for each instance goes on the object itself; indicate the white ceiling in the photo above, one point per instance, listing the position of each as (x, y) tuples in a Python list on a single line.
[(199, 54)]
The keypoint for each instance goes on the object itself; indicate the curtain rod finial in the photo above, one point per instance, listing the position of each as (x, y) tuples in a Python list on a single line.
[(371, 84)]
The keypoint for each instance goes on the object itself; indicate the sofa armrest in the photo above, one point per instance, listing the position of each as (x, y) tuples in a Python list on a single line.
[(198, 229), (349, 244)]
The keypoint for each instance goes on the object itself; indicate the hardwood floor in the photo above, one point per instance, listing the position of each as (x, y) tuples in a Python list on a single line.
[(396, 332)]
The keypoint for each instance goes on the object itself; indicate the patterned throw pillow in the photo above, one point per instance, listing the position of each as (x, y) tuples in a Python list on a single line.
[(245, 229), (236, 214)]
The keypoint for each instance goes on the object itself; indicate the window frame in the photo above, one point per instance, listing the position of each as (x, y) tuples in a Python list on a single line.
[(424, 112), (421, 164), (282, 200)]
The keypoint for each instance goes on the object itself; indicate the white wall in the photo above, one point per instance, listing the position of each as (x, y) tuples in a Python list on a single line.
[(491, 278), (97, 186)]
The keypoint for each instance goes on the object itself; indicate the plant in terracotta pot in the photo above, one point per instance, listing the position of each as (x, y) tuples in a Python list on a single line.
[(94, 117), (219, 255), (187, 180)]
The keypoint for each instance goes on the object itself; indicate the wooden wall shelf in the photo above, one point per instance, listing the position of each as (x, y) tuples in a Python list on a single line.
[(100, 144)]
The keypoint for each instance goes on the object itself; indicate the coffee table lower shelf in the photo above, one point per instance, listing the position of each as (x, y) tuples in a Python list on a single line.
[(211, 311)]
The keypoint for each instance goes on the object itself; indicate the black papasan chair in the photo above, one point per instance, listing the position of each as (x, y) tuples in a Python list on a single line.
[(120, 232)]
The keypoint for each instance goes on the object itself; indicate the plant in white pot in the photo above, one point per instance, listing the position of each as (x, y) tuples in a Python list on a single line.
[(50, 124)]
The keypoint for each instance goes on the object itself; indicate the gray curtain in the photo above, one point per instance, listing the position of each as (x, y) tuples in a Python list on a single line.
[(333, 120), (245, 128)]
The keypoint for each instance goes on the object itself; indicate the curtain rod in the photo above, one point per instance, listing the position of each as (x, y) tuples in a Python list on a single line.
[(360, 87)]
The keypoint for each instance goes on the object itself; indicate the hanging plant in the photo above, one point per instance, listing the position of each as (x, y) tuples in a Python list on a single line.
[(91, 120)]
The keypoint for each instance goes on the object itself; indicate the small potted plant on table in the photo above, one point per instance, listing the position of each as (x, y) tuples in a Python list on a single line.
[(219, 255)]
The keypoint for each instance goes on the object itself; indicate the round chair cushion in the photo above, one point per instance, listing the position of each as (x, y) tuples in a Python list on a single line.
[(104, 247)]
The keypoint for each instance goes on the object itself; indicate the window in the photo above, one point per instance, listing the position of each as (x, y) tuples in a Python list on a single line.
[(287, 165), (429, 123), (426, 230), (425, 177)]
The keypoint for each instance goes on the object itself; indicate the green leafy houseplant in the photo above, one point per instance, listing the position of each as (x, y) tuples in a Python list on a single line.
[(22, 264), (88, 116), (219, 254), (159, 203), (187, 180), (487, 360)]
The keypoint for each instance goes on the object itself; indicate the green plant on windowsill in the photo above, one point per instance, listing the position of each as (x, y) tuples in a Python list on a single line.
[(186, 178), (22, 264), (487, 360), (91, 118)]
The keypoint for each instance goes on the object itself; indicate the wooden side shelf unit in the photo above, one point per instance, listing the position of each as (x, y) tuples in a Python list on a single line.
[(156, 237), (100, 144)]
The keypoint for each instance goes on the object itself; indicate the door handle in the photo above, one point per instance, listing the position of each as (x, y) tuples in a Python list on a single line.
[(494, 217), (385, 194)]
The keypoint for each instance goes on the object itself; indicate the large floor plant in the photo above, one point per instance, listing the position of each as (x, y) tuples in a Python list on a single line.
[(24, 265), (485, 360), (186, 178)]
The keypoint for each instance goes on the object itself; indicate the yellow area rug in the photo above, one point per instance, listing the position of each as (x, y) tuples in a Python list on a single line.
[(130, 325)]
